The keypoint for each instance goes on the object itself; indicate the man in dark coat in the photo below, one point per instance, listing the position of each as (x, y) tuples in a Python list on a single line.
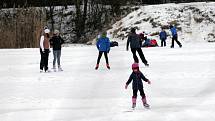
[(134, 41)]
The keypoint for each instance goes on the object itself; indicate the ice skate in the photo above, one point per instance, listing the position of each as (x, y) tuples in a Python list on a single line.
[(133, 102), (97, 66), (54, 68), (108, 66), (59, 68), (145, 104)]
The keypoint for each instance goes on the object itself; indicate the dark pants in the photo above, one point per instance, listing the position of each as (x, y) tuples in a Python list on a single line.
[(175, 38), (44, 59), (140, 52), (100, 55), (141, 93), (163, 42)]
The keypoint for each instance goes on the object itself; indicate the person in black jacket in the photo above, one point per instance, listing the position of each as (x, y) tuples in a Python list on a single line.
[(56, 42), (134, 41), (137, 85)]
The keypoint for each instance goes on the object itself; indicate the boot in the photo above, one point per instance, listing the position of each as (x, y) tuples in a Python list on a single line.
[(146, 64), (108, 66), (54, 68), (134, 102), (97, 66), (59, 68), (145, 103)]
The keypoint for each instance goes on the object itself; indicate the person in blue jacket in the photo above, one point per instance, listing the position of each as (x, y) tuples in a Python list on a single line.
[(174, 36), (163, 37), (136, 78), (103, 45)]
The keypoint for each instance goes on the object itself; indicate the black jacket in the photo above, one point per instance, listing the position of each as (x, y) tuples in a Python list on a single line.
[(133, 40), (137, 83), (56, 42)]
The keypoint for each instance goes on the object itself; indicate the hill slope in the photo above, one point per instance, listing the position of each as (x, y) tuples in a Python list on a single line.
[(195, 21)]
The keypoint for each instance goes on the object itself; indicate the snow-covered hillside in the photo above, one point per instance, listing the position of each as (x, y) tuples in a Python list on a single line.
[(195, 21)]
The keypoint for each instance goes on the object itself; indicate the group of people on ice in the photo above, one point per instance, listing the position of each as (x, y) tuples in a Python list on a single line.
[(163, 37), (135, 42), (103, 45), (55, 42)]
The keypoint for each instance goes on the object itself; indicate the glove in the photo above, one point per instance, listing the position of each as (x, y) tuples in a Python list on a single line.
[(126, 86), (149, 82)]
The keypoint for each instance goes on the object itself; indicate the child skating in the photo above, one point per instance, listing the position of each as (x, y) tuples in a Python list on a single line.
[(103, 46), (137, 85)]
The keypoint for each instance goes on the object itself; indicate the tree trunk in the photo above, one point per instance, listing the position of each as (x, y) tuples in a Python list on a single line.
[(78, 20)]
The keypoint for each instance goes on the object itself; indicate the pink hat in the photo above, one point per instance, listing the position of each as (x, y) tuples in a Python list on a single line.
[(135, 65)]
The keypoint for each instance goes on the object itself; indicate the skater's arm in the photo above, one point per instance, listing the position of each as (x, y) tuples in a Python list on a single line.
[(62, 41), (144, 78), (129, 80), (97, 44), (41, 43)]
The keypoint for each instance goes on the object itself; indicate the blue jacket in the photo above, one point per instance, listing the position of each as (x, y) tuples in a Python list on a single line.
[(136, 77), (163, 35), (173, 31), (103, 44)]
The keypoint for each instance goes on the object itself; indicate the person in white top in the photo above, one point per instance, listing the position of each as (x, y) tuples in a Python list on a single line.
[(44, 50)]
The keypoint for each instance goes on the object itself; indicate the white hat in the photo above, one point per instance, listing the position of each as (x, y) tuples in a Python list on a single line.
[(47, 31), (56, 31)]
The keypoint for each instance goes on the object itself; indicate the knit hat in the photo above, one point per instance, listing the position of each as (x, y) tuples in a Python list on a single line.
[(56, 31), (104, 34), (47, 31), (133, 30), (135, 66)]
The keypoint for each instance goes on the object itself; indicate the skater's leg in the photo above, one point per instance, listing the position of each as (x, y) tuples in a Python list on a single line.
[(161, 42), (106, 58), (55, 57), (98, 60), (99, 57), (142, 94), (42, 60), (173, 39), (133, 50), (139, 50), (176, 39), (46, 59), (164, 42), (58, 57), (58, 60), (134, 98), (145, 104)]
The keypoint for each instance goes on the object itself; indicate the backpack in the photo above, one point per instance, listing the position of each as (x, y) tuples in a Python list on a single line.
[(113, 44)]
